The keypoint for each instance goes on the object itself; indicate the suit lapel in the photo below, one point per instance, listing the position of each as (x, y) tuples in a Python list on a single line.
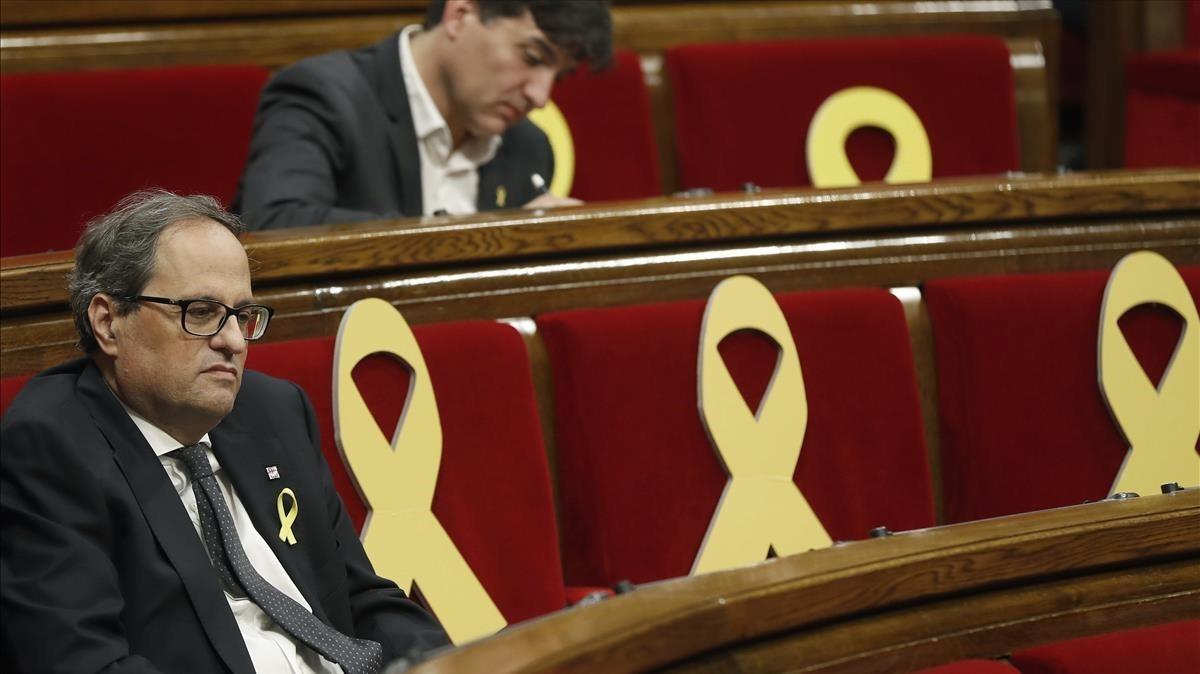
[(165, 514), (389, 86), (245, 457)]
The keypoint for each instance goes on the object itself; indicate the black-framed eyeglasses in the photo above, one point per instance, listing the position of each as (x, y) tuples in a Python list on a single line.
[(205, 318)]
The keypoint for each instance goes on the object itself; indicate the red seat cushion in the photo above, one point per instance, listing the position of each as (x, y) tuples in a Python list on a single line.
[(1174, 647), (1019, 402), (638, 479), (493, 491), (742, 110), (72, 144), (616, 156), (1162, 109)]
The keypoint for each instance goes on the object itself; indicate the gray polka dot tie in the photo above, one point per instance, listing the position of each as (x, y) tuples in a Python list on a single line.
[(356, 656)]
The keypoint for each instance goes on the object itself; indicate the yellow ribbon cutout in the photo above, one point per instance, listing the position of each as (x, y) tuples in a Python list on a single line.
[(1161, 424), (551, 121), (402, 537), (287, 518), (854, 108), (761, 508)]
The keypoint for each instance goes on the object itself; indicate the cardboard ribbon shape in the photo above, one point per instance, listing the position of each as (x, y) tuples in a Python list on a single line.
[(396, 479), (761, 508), (856, 107), (1161, 424), (287, 518)]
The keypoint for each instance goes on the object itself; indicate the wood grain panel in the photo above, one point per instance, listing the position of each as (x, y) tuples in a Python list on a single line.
[(894, 604)]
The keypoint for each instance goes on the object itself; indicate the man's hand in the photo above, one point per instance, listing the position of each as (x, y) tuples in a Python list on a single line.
[(549, 200)]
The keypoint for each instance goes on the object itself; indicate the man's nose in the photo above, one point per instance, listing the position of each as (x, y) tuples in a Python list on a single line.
[(229, 337), (538, 87)]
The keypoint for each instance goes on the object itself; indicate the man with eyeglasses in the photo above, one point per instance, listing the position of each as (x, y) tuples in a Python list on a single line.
[(142, 487)]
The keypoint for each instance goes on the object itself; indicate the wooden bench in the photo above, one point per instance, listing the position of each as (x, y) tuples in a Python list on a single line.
[(72, 35)]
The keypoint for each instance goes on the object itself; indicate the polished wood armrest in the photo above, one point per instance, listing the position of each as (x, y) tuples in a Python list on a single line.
[(894, 604)]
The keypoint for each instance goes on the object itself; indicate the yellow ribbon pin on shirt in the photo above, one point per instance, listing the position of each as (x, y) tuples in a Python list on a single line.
[(286, 518)]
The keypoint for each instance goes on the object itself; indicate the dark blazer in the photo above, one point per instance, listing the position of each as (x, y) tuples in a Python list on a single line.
[(101, 566), (334, 142)]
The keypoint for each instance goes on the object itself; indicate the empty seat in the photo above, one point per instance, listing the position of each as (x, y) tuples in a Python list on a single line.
[(609, 118), (743, 110), (1024, 425), (639, 480), (73, 144), (1162, 109)]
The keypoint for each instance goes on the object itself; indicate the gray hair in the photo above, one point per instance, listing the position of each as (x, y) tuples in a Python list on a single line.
[(117, 252)]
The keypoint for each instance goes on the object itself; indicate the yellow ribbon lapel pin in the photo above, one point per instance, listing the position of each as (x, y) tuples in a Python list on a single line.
[(287, 516)]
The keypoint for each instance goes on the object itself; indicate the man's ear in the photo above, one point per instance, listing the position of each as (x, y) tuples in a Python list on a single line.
[(102, 315), (455, 15)]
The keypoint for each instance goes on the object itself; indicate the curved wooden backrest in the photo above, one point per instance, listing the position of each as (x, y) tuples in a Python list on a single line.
[(894, 604)]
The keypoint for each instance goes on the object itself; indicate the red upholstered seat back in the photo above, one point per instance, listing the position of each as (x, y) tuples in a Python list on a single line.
[(742, 110), (1173, 647), (72, 144), (1023, 422), (609, 114), (1162, 109), (493, 491), (639, 481)]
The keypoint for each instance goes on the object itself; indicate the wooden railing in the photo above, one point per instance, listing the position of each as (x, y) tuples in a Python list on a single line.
[(521, 263), (80, 34), (895, 604)]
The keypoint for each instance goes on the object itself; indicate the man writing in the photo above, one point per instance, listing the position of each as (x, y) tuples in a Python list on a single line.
[(431, 120), (139, 485)]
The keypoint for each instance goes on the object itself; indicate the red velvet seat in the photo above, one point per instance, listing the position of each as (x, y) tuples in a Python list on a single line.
[(638, 478), (1174, 647), (609, 114), (1162, 109), (73, 144), (1023, 422), (742, 110), (493, 491)]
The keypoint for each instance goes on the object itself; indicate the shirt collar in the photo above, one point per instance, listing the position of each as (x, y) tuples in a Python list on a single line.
[(428, 123), (427, 120)]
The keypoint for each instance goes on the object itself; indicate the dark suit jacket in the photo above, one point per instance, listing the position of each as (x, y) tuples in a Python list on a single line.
[(334, 142), (101, 565)]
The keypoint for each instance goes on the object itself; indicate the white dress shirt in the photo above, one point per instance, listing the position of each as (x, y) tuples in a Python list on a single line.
[(271, 649), (449, 175)]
